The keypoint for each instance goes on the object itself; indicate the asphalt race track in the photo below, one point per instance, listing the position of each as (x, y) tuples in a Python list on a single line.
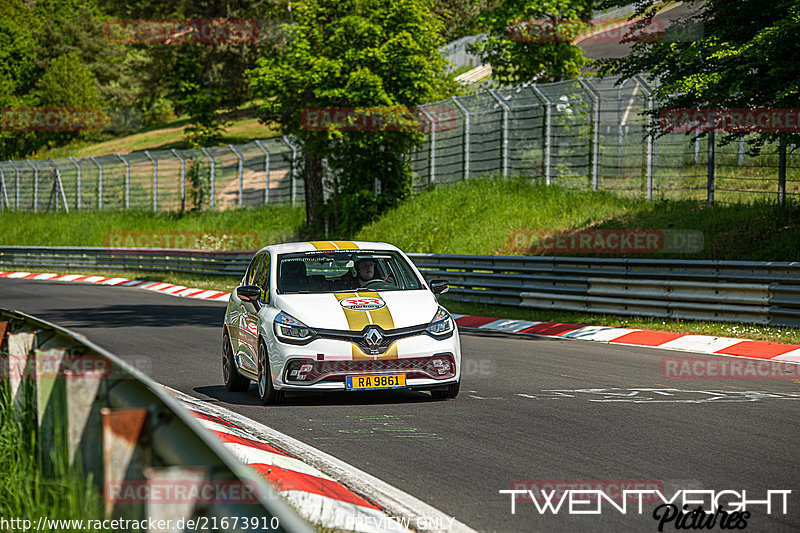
[(530, 409), (607, 45)]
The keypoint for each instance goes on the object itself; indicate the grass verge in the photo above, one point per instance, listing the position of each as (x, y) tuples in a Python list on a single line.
[(26, 493), (479, 216), (271, 224)]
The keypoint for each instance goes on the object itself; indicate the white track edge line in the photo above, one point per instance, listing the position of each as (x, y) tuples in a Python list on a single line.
[(391, 499)]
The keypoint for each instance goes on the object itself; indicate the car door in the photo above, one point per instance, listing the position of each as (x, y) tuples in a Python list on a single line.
[(251, 319), (238, 312)]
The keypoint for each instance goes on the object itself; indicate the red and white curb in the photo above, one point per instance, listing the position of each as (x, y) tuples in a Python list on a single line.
[(296, 471), (705, 344), (156, 286)]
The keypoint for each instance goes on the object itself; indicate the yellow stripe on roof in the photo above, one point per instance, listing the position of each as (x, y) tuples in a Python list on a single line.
[(327, 246)]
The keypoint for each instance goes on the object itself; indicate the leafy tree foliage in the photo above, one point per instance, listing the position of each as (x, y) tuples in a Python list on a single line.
[(202, 79), (531, 39), (353, 54), (459, 17), (746, 57)]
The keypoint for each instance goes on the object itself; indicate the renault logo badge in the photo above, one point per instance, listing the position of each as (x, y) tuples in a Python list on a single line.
[(373, 338)]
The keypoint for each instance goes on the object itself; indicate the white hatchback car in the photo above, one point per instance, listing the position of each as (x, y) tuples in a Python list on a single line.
[(338, 315)]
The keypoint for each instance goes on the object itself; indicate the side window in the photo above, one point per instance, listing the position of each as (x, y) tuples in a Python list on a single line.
[(262, 278), (252, 270)]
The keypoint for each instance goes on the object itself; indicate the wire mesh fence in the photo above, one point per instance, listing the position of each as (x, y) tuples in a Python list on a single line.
[(595, 134), (583, 134), (221, 177)]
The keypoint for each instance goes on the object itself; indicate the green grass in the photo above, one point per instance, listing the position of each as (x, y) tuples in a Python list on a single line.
[(25, 492), (478, 217), (91, 228), (722, 329)]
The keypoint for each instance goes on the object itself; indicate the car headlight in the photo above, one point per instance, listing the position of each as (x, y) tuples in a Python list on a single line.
[(442, 323), (289, 328)]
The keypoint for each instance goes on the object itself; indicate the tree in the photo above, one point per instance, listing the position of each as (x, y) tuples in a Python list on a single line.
[(532, 39), (459, 17), (17, 70), (746, 57), (203, 79), (350, 54)]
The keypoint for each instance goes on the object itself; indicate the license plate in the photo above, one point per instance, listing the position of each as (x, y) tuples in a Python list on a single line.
[(385, 381)]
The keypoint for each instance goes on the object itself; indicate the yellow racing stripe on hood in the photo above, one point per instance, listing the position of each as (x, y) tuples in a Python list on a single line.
[(358, 320)]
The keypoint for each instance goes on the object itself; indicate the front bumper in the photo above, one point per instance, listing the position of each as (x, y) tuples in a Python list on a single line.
[(426, 362)]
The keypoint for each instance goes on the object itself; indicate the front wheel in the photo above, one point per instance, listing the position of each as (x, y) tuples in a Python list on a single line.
[(234, 381), (266, 390), (451, 391)]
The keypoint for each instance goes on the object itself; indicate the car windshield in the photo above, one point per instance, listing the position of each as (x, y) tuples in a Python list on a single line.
[(343, 271)]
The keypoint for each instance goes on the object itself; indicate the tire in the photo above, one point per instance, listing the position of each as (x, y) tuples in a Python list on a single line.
[(450, 392), (234, 381), (266, 390)]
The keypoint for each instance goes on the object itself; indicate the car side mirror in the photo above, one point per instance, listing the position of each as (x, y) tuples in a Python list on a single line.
[(249, 293), (439, 286)]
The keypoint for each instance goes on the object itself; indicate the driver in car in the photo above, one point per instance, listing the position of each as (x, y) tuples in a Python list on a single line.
[(365, 271)]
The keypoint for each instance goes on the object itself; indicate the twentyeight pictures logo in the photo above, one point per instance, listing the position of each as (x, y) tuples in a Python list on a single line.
[(683, 509)]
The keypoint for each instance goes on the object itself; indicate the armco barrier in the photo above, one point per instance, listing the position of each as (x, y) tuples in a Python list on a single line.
[(731, 291), (122, 428)]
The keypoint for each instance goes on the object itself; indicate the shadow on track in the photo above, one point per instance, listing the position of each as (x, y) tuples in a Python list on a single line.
[(111, 315), (311, 399)]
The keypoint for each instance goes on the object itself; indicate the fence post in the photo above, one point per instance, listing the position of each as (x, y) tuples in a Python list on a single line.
[(16, 192), (3, 187), (620, 132), (183, 178), (58, 186), (504, 141), (292, 175), (241, 173), (35, 185), (155, 180), (595, 97), (212, 173), (548, 134), (431, 146), (78, 183), (782, 169), (266, 170), (741, 150), (99, 182), (127, 180), (650, 149), (711, 184), (466, 140), (696, 148)]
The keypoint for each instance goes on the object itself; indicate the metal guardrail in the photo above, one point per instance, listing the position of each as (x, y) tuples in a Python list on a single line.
[(727, 291), (207, 262), (730, 291), (124, 430)]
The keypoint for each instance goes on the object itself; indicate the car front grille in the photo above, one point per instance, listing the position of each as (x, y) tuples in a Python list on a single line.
[(310, 371)]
